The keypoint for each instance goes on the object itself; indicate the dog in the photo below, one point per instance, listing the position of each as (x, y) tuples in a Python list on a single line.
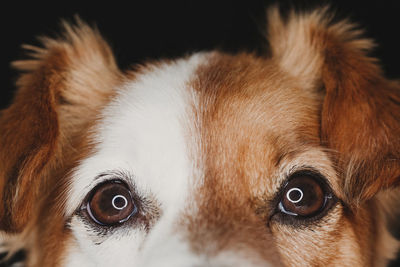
[(214, 159)]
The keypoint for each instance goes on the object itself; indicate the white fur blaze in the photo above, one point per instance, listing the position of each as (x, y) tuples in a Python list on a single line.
[(144, 133)]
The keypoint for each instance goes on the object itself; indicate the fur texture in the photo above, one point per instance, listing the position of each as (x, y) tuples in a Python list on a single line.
[(206, 143)]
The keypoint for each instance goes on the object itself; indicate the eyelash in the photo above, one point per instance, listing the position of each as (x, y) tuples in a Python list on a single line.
[(82, 213), (147, 209), (300, 222)]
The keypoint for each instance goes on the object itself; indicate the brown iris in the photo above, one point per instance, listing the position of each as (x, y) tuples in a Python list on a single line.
[(303, 196), (111, 203)]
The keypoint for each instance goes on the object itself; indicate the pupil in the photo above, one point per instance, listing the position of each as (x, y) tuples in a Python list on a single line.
[(294, 195), (119, 202)]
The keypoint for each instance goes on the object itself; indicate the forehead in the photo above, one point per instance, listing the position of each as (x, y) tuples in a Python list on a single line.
[(206, 118), (250, 109), (141, 133)]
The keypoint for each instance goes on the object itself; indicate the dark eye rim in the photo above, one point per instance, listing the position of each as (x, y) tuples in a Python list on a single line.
[(330, 200), (85, 211)]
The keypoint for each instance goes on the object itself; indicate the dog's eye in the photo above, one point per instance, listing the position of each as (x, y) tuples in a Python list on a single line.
[(305, 196), (111, 203)]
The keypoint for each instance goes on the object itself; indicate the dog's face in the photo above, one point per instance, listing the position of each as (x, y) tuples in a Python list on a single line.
[(209, 160)]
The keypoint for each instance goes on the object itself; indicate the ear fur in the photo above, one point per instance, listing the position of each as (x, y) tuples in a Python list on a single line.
[(360, 116), (62, 87)]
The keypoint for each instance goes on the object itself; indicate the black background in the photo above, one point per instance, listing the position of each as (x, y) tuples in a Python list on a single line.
[(140, 30)]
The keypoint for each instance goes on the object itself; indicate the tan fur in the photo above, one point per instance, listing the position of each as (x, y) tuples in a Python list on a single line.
[(254, 112), (45, 133), (316, 51), (319, 100)]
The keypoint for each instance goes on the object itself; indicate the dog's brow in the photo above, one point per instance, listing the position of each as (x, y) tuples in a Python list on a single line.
[(112, 173)]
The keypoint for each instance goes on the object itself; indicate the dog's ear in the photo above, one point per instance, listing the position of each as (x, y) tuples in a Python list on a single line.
[(59, 93), (360, 113)]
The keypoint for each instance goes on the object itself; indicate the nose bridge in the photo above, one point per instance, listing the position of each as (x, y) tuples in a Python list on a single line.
[(166, 246), (173, 250), (170, 244), (215, 233), (225, 222)]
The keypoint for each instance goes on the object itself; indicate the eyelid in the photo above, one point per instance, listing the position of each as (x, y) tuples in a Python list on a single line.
[(82, 211), (105, 176), (108, 221), (322, 175), (292, 174), (112, 175), (311, 171)]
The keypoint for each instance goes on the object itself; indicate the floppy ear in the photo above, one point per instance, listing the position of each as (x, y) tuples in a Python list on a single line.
[(59, 94), (360, 114)]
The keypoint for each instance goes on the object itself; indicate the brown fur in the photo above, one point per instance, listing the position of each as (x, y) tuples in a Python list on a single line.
[(243, 138), (253, 112), (256, 116), (45, 133), (360, 114)]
